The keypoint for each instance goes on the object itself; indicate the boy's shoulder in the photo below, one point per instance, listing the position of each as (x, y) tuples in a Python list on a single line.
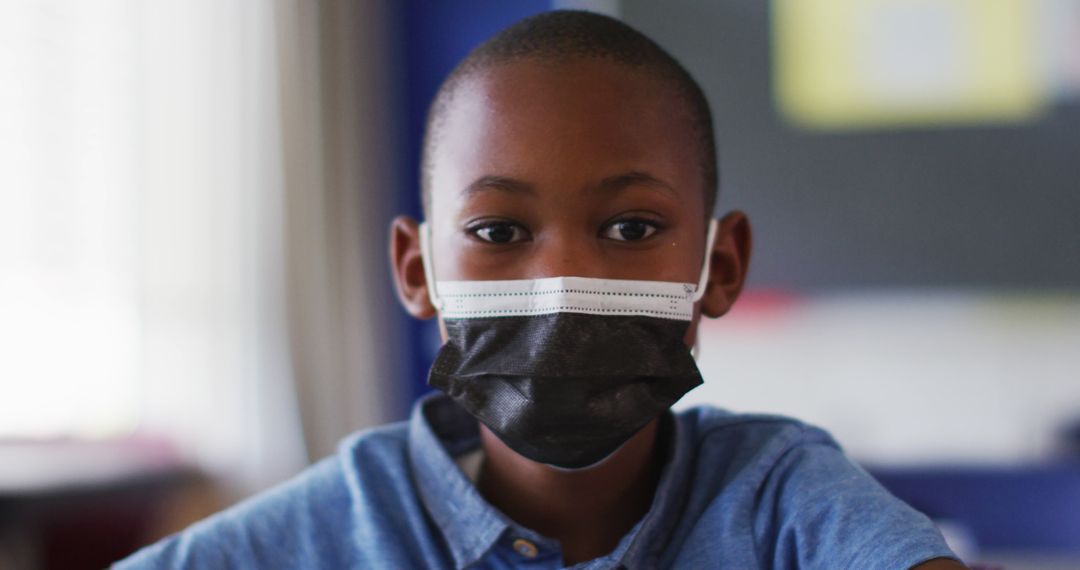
[(793, 485), (710, 420), (743, 438), (747, 456), (311, 517)]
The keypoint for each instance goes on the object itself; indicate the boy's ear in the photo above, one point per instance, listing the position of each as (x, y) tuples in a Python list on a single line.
[(408, 268), (730, 260)]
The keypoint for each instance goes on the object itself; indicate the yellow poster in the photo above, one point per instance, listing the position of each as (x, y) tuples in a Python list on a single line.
[(841, 64)]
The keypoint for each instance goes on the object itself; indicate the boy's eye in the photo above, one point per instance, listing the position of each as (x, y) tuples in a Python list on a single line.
[(499, 232), (629, 230)]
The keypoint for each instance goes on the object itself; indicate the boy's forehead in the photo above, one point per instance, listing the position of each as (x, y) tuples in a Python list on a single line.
[(563, 123)]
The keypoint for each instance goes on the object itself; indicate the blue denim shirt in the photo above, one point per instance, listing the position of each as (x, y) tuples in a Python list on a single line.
[(736, 491)]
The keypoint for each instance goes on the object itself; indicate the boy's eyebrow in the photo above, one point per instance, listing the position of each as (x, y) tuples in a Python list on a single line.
[(498, 183), (634, 177), (610, 184)]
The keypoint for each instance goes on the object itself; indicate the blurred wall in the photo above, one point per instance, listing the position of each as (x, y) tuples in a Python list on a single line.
[(976, 206)]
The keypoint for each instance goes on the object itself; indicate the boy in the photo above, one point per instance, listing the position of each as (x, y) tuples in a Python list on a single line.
[(569, 174)]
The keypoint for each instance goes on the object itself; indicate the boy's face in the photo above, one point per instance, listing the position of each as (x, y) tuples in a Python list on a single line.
[(585, 169)]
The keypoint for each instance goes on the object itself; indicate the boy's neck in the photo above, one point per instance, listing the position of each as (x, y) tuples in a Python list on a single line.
[(587, 511)]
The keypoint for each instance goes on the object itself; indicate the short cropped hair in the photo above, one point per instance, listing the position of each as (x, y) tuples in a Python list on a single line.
[(567, 35)]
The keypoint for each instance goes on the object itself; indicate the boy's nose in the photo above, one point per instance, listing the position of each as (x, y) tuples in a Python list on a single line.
[(566, 258)]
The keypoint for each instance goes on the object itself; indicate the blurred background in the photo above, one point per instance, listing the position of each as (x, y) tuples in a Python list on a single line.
[(195, 300)]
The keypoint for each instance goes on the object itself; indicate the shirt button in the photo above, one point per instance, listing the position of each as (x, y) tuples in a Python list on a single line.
[(525, 548)]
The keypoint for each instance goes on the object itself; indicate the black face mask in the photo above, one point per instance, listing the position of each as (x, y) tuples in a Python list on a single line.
[(565, 370), (565, 389)]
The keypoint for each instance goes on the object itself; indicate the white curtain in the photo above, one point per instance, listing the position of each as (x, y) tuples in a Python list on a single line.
[(215, 367), (338, 110), (193, 202)]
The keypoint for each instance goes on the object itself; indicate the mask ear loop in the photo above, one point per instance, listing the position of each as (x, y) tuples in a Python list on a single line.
[(429, 268), (703, 280)]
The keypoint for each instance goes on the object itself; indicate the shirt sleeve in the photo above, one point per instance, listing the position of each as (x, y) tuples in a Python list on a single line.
[(817, 509), (302, 523), (182, 551)]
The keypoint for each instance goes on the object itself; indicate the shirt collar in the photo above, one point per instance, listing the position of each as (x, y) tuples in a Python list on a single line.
[(468, 523), (653, 533), (440, 430)]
